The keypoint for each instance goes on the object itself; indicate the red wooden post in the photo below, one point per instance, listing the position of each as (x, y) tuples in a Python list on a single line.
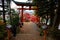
[(45, 35), (29, 7), (9, 34), (22, 15)]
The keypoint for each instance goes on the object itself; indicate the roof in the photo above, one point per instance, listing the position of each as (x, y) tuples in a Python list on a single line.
[(24, 4)]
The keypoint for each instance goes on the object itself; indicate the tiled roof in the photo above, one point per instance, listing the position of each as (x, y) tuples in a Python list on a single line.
[(25, 4)]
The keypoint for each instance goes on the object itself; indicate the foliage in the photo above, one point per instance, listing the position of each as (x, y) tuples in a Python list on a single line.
[(41, 31), (14, 17), (15, 20), (2, 29), (44, 6), (0, 18), (49, 7)]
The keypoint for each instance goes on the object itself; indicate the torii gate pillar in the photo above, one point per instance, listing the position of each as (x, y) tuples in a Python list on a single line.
[(22, 15)]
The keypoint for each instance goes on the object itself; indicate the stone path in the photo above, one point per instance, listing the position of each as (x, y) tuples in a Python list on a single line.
[(29, 32)]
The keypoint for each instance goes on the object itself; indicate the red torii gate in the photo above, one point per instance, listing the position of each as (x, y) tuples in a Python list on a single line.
[(25, 9), (22, 8)]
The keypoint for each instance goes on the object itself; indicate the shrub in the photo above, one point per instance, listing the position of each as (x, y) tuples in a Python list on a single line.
[(2, 29)]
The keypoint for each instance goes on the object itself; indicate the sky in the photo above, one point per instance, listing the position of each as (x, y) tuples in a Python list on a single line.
[(21, 0), (14, 6)]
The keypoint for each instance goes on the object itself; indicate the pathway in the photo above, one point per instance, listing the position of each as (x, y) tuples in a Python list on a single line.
[(29, 32)]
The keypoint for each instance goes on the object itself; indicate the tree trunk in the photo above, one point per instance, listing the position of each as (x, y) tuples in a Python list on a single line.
[(3, 11), (52, 12), (58, 14)]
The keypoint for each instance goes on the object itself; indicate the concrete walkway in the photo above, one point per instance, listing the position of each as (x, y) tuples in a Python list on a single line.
[(29, 32)]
